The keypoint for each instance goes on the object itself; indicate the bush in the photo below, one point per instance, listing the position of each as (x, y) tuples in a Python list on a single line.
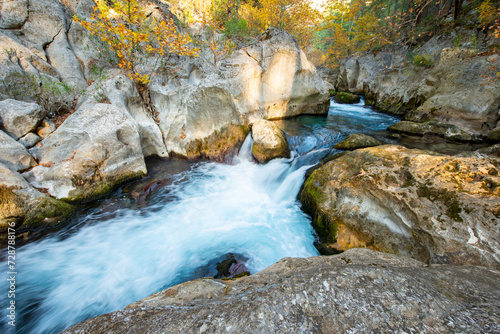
[(424, 60)]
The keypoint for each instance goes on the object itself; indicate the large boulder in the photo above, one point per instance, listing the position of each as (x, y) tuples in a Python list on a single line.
[(435, 208), (95, 149), (13, 154), (25, 206), (269, 141), (359, 291), (18, 118)]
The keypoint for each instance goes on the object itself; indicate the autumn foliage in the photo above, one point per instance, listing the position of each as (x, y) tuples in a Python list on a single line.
[(136, 38)]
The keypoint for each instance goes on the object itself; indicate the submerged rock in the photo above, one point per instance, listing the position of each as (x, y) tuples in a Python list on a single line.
[(358, 291), (269, 141), (357, 140), (435, 208)]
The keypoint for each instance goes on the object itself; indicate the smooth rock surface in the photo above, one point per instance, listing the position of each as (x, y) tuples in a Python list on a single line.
[(359, 291), (448, 131), (269, 141), (357, 140), (95, 149), (435, 208), (13, 154), (18, 118)]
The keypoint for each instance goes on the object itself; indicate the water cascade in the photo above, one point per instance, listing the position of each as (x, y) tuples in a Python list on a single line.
[(206, 212)]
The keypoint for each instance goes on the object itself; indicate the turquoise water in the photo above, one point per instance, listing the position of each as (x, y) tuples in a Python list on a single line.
[(118, 252)]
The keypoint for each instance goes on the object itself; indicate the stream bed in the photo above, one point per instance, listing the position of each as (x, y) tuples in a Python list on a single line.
[(129, 245)]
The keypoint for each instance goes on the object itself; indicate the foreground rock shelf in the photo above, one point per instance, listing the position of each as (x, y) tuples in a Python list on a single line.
[(357, 291)]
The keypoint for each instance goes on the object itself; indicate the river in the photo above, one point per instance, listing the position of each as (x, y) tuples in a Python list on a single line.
[(119, 250)]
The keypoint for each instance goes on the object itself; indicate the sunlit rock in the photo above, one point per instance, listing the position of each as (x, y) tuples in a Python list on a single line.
[(435, 208), (269, 141)]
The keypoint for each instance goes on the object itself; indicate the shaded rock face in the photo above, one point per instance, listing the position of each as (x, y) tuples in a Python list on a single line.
[(435, 208), (452, 91), (357, 140), (269, 141), (24, 205), (93, 150), (358, 291)]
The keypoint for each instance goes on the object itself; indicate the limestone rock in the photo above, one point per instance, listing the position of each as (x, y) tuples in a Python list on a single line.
[(24, 205), (435, 208), (448, 131), (494, 135), (358, 291), (452, 91), (347, 98), (203, 106), (13, 14), (18, 118), (272, 77), (46, 128), (121, 92), (29, 140), (269, 141), (357, 140), (13, 154), (95, 149)]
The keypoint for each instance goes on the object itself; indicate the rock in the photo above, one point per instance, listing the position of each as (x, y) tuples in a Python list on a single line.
[(358, 291), (269, 141), (434, 208), (46, 128), (121, 92), (494, 135), (273, 77), (29, 140), (204, 108), (95, 149), (357, 140), (448, 131), (18, 118), (13, 154), (452, 91), (347, 98), (13, 14), (24, 205)]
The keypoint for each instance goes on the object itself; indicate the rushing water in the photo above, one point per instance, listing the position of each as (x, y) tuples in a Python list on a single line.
[(110, 258)]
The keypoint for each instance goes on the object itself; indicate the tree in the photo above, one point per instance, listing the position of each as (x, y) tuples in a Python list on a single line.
[(134, 37)]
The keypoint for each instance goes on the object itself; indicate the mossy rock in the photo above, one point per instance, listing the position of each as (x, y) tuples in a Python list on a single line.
[(494, 136), (347, 98), (357, 140)]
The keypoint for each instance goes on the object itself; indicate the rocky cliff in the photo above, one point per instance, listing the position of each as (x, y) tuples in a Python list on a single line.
[(53, 74), (450, 86)]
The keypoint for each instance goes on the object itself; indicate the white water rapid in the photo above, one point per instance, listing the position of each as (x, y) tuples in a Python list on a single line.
[(245, 208)]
